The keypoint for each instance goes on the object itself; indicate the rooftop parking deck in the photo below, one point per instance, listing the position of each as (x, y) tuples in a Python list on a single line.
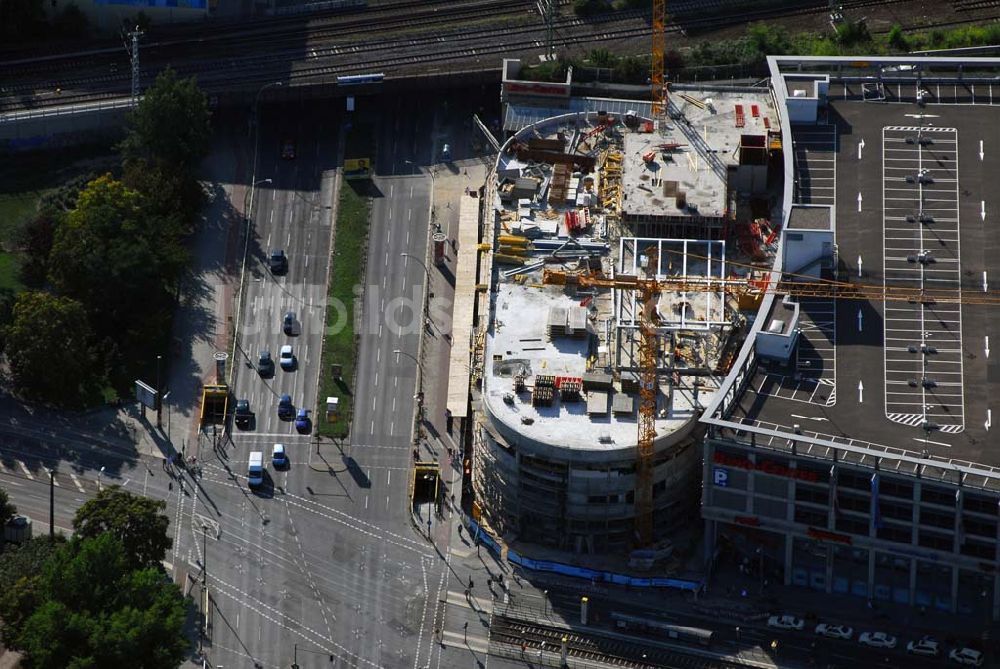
[(914, 205)]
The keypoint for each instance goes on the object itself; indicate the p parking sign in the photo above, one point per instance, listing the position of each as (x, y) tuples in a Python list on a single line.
[(720, 476)]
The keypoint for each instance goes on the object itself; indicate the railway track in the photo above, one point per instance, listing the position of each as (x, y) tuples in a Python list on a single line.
[(509, 635), (399, 55)]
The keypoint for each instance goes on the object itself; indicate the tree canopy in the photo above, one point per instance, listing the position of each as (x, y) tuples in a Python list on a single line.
[(7, 509), (171, 124), (46, 346), (87, 609), (137, 522)]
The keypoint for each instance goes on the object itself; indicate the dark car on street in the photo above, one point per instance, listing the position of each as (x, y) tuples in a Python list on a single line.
[(265, 364), (288, 324), (302, 422), (285, 407), (243, 416), (278, 261)]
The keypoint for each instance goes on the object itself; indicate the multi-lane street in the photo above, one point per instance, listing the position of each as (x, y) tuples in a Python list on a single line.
[(326, 557)]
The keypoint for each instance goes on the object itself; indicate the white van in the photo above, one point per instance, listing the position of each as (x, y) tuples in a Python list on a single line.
[(255, 471)]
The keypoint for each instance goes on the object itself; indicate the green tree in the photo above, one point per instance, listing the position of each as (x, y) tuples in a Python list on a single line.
[(7, 509), (896, 39), (19, 574), (170, 126), (769, 40), (137, 522), (92, 611), (35, 237), (631, 69), (851, 33), (602, 58), (110, 241), (46, 347)]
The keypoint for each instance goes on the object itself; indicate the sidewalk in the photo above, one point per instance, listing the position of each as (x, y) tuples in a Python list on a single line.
[(435, 440)]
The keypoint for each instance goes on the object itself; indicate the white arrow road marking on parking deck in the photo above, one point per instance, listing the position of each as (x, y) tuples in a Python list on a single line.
[(861, 145), (987, 346), (859, 265), (989, 418), (859, 201), (861, 392), (980, 149), (817, 418), (982, 209), (984, 281), (860, 323)]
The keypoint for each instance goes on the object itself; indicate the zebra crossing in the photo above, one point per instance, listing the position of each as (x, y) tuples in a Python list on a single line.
[(19, 469)]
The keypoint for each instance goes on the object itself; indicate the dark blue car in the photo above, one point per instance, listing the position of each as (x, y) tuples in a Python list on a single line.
[(285, 408)]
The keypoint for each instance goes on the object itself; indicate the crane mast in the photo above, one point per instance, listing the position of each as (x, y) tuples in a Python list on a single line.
[(659, 88)]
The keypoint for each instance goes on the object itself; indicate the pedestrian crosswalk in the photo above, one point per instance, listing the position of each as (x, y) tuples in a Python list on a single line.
[(17, 468)]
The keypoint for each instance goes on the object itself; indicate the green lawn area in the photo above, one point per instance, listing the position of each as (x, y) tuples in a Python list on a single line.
[(9, 281), (347, 271)]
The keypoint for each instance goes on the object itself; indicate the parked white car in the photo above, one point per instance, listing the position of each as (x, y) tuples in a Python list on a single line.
[(834, 631), (786, 622), (967, 656), (877, 640), (927, 646)]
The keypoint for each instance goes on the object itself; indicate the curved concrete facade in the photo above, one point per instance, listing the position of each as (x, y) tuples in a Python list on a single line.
[(574, 491)]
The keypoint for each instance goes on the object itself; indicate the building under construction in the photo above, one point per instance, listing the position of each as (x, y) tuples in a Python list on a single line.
[(609, 329)]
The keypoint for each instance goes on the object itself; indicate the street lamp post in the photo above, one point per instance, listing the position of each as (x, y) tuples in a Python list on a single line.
[(100, 474), (52, 503), (163, 400), (404, 254), (159, 400)]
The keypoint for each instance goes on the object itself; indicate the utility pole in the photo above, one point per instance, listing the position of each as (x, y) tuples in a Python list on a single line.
[(132, 47), (548, 9), (204, 555), (52, 503), (159, 398)]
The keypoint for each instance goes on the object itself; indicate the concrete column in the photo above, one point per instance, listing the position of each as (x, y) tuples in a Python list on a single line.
[(871, 573), (915, 520), (710, 529), (789, 543), (954, 589), (996, 598), (829, 569)]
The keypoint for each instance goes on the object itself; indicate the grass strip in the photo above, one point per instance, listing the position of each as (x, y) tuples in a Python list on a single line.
[(346, 273)]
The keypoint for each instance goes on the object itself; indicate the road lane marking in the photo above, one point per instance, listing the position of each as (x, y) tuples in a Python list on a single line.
[(27, 472), (79, 485), (388, 478), (55, 482)]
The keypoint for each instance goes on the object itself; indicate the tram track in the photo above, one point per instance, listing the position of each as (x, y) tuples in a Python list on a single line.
[(352, 53), (508, 636)]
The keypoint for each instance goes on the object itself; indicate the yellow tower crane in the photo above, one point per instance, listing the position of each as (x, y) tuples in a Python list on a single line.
[(659, 91), (649, 289)]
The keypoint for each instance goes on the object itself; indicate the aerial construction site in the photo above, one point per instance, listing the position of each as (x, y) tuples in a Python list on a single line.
[(611, 314)]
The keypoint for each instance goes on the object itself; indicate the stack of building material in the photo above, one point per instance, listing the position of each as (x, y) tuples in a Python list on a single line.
[(567, 322), (569, 388), (560, 184), (544, 391)]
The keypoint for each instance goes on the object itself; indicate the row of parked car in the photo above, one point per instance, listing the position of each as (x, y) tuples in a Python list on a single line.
[(926, 646)]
